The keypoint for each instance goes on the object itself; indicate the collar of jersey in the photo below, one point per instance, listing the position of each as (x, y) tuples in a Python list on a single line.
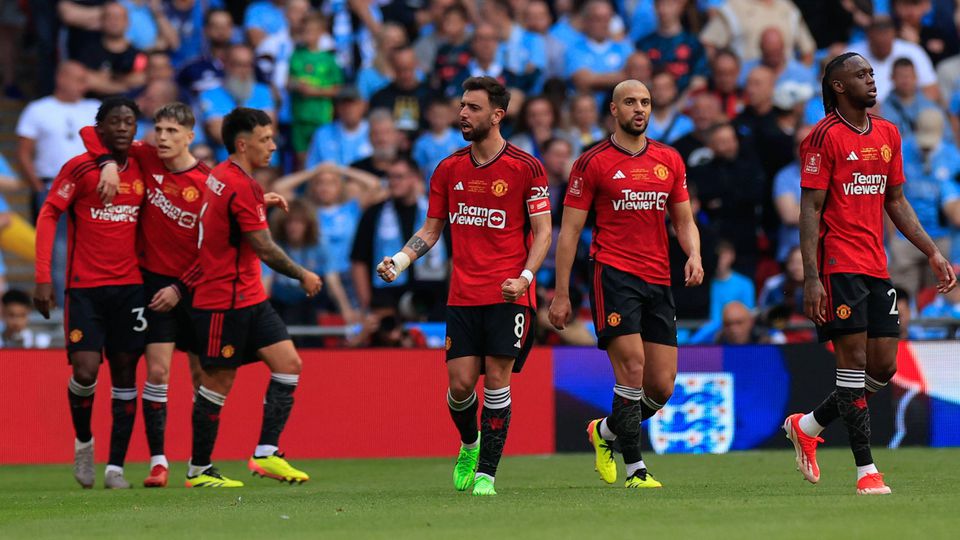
[(489, 161), (854, 128), (646, 144)]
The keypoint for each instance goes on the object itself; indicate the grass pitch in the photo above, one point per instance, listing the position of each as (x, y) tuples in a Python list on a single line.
[(741, 495)]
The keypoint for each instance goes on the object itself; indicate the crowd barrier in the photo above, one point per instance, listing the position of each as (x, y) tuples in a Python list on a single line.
[(391, 403)]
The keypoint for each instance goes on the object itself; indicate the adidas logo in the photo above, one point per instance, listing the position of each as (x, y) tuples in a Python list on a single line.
[(517, 344), (458, 187), (158, 178), (853, 156), (619, 175)]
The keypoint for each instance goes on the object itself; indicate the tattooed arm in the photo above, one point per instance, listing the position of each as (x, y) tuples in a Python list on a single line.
[(814, 295), (274, 257), (905, 219), (416, 247)]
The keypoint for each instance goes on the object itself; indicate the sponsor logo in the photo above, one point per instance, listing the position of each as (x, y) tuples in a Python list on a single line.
[(539, 192), (538, 206), (661, 171), (117, 213), (227, 351), (76, 335), (448, 343), (576, 186), (158, 178), (517, 344), (640, 200), (215, 185), (66, 190), (853, 156), (478, 216), (619, 175), (843, 312), (811, 163), (886, 153), (499, 187), (138, 186), (613, 319), (458, 187), (261, 212), (190, 194), (187, 220), (866, 184)]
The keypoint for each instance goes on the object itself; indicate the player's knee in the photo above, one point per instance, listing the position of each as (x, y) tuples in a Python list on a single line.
[(632, 370), (84, 376), (158, 373), (884, 373), (660, 390), (461, 387), (290, 366)]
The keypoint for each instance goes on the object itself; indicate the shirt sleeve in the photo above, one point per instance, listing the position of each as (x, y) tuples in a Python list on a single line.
[(63, 190), (27, 125), (249, 209), (895, 175), (580, 188), (538, 194), (679, 192), (817, 165), (439, 206)]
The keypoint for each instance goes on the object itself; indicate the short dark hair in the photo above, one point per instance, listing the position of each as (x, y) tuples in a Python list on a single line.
[(552, 141), (408, 161), (241, 120), (211, 12), (498, 94), (180, 113), (503, 5), (727, 52), (116, 102), (457, 9), (902, 62), (16, 296), (299, 209)]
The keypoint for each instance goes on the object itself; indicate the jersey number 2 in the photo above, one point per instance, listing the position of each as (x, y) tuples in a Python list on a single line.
[(893, 308)]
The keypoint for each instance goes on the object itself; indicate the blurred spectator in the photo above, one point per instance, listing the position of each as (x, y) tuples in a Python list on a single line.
[(16, 333), (346, 139), (537, 124), (47, 137), (557, 157), (567, 21), (943, 306), (520, 51), (705, 112), (673, 48), (315, 78), (83, 21), (728, 285), (12, 22), (386, 331), (149, 28), (730, 188), (383, 230), (785, 288), (440, 140), (483, 45), (157, 94), (637, 67), (538, 20), (903, 105), (406, 97), (239, 89), (786, 199), (354, 25), (186, 18), (264, 18), (784, 67), (8, 183), (739, 327), (692, 302), (935, 42), (828, 21), (203, 153), (595, 59), (882, 48), (159, 67), (432, 36), (638, 16), (666, 123), (454, 53), (740, 23), (584, 130), (274, 52), (929, 164), (759, 124), (115, 65), (724, 74), (384, 144), (205, 71), (377, 75)]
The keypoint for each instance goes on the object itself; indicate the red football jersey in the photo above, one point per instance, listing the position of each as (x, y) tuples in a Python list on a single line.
[(232, 205), (101, 239), (855, 169), (167, 241), (630, 194), (487, 206)]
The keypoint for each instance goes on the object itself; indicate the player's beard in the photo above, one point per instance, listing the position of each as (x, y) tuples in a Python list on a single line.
[(630, 130), (477, 134)]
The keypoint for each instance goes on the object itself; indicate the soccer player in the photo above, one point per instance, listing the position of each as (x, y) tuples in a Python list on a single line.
[(232, 317), (167, 243), (632, 183), (496, 200), (853, 172), (104, 312)]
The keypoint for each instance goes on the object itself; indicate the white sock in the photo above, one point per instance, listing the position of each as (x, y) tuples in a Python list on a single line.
[(159, 460), (605, 431), (470, 446), (810, 426), (487, 476), (77, 445), (193, 470), (114, 468), (634, 467), (264, 450), (865, 470)]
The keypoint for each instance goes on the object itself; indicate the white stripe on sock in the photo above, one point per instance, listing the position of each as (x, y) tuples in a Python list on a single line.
[(285, 378), (633, 394), (78, 389), (496, 399), (155, 392), (211, 396), (460, 405), (125, 394)]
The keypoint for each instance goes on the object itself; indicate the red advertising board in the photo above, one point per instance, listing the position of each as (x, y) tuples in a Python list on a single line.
[(350, 404)]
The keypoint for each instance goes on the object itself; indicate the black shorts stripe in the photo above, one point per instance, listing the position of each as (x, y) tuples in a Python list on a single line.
[(598, 292)]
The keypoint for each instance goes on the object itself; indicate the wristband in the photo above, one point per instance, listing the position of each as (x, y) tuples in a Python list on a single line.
[(528, 275), (401, 261)]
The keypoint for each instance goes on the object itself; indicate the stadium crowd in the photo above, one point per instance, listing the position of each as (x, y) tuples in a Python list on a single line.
[(365, 95)]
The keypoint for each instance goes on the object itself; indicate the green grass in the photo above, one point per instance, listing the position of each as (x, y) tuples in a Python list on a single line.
[(742, 495)]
